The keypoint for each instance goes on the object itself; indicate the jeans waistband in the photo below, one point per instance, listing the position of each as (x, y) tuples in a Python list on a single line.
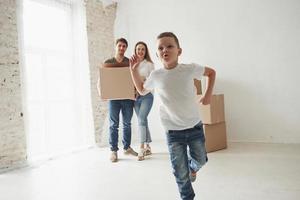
[(188, 129)]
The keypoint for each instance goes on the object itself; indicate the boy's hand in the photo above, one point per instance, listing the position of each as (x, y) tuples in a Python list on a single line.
[(133, 62), (205, 100)]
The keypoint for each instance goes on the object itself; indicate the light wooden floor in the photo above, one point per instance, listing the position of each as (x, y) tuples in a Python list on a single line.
[(244, 171)]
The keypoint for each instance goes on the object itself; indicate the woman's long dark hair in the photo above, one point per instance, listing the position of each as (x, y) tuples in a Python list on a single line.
[(147, 55)]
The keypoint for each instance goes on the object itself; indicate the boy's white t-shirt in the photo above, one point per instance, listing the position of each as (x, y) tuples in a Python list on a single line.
[(175, 87)]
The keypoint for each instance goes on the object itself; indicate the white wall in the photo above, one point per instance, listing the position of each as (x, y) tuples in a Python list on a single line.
[(254, 47)]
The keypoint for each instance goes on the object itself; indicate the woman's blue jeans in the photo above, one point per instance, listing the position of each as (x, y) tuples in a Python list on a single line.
[(114, 108), (142, 107), (187, 152)]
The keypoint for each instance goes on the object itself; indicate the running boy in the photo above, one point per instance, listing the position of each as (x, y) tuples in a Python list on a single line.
[(179, 110)]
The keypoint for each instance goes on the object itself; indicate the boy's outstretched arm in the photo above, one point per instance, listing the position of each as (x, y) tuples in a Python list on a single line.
[(137, 80), (211, 75)]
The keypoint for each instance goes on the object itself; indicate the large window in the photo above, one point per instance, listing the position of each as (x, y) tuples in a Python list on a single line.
[(56, 78)]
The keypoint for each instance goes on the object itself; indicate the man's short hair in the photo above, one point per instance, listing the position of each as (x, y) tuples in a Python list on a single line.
[(169, 34), (123, 40)]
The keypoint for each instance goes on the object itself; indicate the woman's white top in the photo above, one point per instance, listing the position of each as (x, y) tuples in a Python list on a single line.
[(145, 68)]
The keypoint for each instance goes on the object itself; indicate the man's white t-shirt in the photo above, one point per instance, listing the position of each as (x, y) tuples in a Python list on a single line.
[(175, 87)]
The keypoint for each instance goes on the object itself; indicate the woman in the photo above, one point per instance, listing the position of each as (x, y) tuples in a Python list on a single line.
[(143, 104)]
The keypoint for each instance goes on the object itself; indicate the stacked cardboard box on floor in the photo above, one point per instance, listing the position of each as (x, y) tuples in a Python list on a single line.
[(116, 83), (213, 118)]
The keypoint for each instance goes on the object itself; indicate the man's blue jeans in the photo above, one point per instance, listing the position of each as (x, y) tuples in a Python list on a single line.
[(142, 107), (114, 108), (187, 152)]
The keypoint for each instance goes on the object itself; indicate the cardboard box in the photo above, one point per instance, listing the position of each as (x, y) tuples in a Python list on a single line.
[(116, 83), (198, 86), (215, 136), (214, 112)]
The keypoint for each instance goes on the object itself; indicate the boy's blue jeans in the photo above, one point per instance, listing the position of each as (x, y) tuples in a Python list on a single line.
[(187, 152), (114, 108), (142, 107)]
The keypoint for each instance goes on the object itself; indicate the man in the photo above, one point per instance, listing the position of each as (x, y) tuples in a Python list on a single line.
[(123, 105)]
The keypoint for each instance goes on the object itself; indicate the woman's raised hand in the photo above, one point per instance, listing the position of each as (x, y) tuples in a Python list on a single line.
[(134, 62)]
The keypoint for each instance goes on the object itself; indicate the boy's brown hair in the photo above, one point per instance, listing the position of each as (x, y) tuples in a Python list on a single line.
[(169, 34), (123, 40)]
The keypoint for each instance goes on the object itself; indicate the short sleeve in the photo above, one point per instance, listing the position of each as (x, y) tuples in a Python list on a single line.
[(110, 61), (151, 67), (149, 82), (198, 71)]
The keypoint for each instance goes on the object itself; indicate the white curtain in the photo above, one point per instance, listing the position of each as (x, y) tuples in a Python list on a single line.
[(56, 77)]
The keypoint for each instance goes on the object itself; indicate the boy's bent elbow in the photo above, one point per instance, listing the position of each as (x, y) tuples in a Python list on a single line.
[(210, 72), (213, 73)]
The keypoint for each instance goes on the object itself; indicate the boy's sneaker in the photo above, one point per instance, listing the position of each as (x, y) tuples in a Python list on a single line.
[(193, 176), (130, 151), (141, 154), (114, 156)]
